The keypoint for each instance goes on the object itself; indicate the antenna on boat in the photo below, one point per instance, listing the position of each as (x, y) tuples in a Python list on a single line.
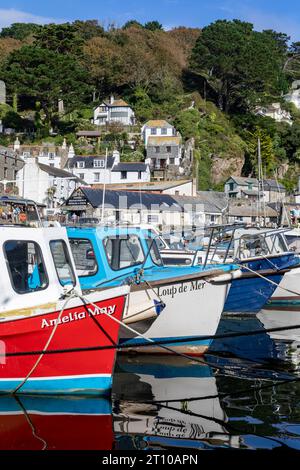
[(260, 186), (104, 186)]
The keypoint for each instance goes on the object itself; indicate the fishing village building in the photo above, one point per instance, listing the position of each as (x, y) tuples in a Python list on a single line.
[(248, 188), (94, 169), (113, 111), (10, 164)]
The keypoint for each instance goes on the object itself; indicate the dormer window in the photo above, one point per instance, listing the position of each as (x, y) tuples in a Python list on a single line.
[(99, 164), (164, 131), (80, 165), (153, 130)]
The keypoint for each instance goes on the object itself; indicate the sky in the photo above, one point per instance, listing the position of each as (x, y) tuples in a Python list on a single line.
[(281, 15)]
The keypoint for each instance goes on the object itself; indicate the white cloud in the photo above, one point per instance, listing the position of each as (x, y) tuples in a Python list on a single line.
[(10, 15)]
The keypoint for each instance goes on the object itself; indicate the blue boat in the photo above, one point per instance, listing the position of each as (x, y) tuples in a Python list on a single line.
[(264, 253), (169, 304)]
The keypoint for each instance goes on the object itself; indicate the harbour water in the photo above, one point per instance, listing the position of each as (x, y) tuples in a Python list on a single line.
[(244, 394)]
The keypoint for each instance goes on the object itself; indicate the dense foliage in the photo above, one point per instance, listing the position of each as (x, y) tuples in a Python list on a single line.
[(208, 83)]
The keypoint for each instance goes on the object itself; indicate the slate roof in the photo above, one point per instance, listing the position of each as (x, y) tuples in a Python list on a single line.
[(270, 183), (57, 172), (134, 199), (130, 167)]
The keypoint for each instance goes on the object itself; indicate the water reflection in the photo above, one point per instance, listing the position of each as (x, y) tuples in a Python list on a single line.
[(286, 342), (55, 423), (246, 395), (179, 406)]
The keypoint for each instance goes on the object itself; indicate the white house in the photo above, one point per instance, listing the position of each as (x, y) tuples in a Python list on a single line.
[(47, 153), (110, 111), (156, 128), (45, 184), (93, 169)]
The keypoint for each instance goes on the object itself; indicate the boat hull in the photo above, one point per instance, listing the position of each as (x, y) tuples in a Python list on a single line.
[(249, 295), (85, 372), (193, 307), (291, 282)]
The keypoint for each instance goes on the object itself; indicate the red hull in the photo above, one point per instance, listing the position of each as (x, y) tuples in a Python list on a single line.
[(63, 372)]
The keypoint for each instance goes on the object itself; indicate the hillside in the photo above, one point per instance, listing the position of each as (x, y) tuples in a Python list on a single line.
[(207, 83)]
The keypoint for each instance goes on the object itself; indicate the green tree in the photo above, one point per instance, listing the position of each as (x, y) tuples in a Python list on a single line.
[(153, 25), (20, 31), (131, 24), (47, 77), (240, 65), (60, 38)]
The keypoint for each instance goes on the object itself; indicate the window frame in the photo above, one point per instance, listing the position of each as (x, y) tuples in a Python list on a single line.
[(91, 243), (122, 237), (10, 273), (70, 261)]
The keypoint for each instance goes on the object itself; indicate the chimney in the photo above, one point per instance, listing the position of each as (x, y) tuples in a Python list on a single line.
[(17, 144), (71, 152), (116, 156), (112, 99), (64, 145)]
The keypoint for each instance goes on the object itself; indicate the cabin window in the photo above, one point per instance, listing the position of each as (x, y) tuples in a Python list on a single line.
[(62, 262), (123, 252), (84, 257), (154, 251), (26, 266)]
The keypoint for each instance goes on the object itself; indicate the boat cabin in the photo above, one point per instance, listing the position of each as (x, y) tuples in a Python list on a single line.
[(105, 255), (38, 268)]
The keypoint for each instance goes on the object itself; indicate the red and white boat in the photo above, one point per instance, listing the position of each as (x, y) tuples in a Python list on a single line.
[(41, 312)]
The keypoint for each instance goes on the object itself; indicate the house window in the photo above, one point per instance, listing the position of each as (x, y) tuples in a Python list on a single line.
[(81, 176), (153, 130), (250, 186), (123, 175), (231, 186), (140, 175), (51, 156), (172, 161), (5, 173), (157, 149), (96, 177), (99, 164), (168, 149), (164, 131), (80, 165)]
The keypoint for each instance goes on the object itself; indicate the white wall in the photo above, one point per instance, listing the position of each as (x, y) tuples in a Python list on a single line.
[(185, 189), (33, 183), (146, 132)]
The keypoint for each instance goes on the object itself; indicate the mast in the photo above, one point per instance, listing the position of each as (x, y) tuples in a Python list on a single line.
[(104, 186)]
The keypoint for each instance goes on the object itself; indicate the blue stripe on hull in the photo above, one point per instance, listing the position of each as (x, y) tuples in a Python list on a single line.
[(57, 405), (141, 341), (250, 295), (100, 385)]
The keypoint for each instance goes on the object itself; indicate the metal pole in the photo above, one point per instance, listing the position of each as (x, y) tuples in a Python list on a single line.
[(104, 185)]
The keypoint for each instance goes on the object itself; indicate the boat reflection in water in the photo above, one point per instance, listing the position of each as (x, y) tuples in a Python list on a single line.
[(55, 423), (162, 402), (287, 342)]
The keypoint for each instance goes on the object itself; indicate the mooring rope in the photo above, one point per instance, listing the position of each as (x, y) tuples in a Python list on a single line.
[(71, 295)]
